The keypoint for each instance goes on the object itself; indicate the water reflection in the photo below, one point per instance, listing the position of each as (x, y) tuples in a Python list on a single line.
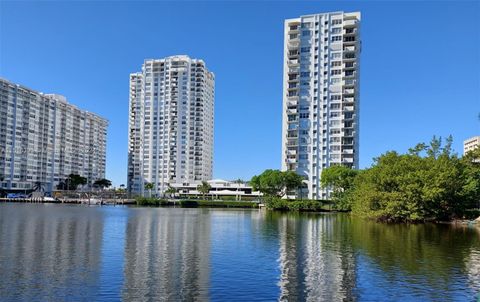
[(46, 254), (50, 252), (416, 262), (315, 266), (167, 255)]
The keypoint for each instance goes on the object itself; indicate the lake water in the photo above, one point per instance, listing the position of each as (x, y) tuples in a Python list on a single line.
[(79, 253)]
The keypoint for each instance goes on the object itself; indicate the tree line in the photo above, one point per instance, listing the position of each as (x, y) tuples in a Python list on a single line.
[(428, 183)]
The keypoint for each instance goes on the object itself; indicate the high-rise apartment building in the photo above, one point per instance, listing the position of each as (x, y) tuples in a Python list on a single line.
[(321, 96), (471, 144), (43, 139), (171, 124)]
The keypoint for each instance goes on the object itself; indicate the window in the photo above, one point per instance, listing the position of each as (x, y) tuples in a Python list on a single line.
[(336, 72), (336, 63), (305, 33), (335, 80), (334, 106), (306, 25), (335, 97), (336, 38), (336, 55), (336, 30), (305, 49), (336, 21)]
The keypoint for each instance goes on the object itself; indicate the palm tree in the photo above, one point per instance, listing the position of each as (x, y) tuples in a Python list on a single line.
[(239, 181), (204, 188), (38, 186), (149, 186), (171, 191)]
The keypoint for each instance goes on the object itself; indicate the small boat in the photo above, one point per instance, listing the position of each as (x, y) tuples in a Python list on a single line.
[(94, 201)]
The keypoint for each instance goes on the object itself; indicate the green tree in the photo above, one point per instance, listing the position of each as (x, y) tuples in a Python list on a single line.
[(340, 180), (428, 183), (76, 180), (102, 183), (470, 191), (149, 186), (204, 188), (275, 183), (72, 182), (171, 191), (238, 181)]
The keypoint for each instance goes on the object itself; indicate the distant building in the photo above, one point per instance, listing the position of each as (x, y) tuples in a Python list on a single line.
[(470, 144), (43, 139), (321, 96), (170, 138), (219, 188)]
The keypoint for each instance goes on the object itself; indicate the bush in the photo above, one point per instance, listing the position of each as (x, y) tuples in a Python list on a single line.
[(472, 214), (207, 203), (276, 203), (150, 201)]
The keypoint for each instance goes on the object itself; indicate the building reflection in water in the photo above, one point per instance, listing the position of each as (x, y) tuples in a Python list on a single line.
[(167, 255), (47, 254), (314, 266)]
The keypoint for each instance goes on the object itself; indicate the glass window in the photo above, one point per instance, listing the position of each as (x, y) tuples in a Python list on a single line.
[(336, 30)]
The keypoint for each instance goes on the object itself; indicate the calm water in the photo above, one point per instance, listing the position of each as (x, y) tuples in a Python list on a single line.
[(77, 253)]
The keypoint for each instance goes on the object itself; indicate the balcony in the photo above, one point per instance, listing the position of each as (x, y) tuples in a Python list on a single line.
[(292, 142), (348, 91), (294, 62), (350, 74), (350, 31), (349, 48), (292, 111), (292, 101), (349, 23)]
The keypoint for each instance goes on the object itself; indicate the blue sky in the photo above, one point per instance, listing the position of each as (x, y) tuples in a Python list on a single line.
[(420, 67)]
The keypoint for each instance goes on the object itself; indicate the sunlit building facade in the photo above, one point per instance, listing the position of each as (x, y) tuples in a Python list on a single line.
[(471, 144), (170, 124), (321, 96), (43, 139)]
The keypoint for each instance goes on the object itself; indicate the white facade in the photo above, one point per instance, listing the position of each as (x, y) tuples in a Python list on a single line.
[(219, 188), (170, 124), (471, 144), (321, 96), (44, 139)]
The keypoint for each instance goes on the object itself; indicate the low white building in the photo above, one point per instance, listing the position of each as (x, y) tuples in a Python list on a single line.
[(219, 189)]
